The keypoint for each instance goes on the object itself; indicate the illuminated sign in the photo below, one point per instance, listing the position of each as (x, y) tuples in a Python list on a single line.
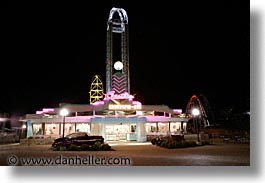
[(125, 107), (110, 95)]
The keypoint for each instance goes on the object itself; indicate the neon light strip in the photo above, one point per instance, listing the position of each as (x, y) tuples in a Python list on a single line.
[(125, 107)]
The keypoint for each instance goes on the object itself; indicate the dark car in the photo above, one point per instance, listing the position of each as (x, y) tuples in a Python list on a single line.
[(78, 138)]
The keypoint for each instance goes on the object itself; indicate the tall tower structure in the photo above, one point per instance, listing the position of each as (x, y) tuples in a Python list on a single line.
[(117, 56)]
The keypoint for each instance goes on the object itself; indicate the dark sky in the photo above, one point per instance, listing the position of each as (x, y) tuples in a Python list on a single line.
[(51, 51)]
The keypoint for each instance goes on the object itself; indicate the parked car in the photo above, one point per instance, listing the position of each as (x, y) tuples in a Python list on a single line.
[(78, 139)]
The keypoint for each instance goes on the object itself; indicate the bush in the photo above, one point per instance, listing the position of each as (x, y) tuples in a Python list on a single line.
[(171, 145), (182, 144), (96, 146), (187, 144), (73, 147), (105, 147), (84, 147), (62, 148), (163, 144)]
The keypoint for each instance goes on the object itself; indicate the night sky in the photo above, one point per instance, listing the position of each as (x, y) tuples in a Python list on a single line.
[(51, 51)]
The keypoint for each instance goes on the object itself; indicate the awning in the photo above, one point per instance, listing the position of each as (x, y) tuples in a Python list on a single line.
[(75, 119), (165, 119)]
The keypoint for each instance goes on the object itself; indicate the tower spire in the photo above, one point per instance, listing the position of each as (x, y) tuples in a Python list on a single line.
[(117, 78)]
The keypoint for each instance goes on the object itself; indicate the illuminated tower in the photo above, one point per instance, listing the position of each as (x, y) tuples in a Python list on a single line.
[(96, 89), (117, 56)]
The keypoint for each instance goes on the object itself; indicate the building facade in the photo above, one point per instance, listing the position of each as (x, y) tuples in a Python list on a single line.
[(116, 118)]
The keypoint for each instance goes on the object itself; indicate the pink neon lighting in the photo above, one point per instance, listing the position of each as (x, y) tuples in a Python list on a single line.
[(98, 103), (111, 95), (177, 111), (45, 110)]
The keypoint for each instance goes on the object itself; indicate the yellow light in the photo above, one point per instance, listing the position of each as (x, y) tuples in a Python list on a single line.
[(64, 112)]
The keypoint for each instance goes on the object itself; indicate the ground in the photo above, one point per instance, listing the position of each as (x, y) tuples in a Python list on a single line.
[(129, 154)]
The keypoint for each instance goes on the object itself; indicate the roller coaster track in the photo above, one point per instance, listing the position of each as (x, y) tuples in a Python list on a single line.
[(195, 102)]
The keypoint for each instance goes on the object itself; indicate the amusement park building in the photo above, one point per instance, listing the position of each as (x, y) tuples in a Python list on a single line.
[(127, 121), (116, 116)]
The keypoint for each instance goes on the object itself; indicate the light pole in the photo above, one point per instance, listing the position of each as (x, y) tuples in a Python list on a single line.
[(64, 112), (22, 131), (195, 112)]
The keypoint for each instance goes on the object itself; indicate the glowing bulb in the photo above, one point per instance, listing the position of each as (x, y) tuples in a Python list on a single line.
[(118, 65), (195, 112), (64, 112)]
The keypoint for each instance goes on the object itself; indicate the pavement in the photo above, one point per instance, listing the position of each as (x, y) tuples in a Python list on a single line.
[(128, 154)]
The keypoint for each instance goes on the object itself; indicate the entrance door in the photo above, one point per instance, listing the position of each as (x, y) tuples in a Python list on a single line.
[(117, 132)]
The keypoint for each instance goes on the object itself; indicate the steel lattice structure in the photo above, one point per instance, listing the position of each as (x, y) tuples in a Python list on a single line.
[(195, 102), (96, 89), (117, 26), (207, 108)]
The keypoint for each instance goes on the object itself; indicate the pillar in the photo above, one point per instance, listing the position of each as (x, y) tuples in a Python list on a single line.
[(141, 132), (29, 129), (103, 131)]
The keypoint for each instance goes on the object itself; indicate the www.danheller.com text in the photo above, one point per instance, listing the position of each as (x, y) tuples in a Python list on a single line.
[(61, 160)]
